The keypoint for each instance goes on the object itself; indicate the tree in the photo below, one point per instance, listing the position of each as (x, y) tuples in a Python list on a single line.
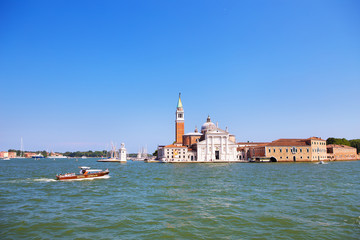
[(155, 153), (338, 141), (44, 153), (356, 144)]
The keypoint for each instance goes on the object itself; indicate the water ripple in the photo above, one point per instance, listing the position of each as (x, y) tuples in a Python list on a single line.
[(180, 201)]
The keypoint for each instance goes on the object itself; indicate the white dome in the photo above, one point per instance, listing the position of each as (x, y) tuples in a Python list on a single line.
[(208, 126)]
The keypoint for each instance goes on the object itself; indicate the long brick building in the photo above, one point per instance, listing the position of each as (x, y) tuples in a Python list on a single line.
[(285, 150), (341, 153)]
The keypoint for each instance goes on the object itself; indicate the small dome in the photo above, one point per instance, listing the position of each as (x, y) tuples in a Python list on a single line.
[(208, 126)]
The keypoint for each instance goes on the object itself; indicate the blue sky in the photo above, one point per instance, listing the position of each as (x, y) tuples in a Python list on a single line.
[(76, 75)]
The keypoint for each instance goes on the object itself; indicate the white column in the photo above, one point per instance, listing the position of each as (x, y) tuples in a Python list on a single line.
[(207, 148), (227, 147), (212, 148), (221, 148)]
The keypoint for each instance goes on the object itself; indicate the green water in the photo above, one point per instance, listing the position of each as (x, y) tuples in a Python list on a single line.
[(180, 201)]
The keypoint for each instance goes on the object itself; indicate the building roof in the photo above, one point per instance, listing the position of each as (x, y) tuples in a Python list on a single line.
[(252, 143), (293, 141), (289, 142), (208, 126), (174, 146), (315, 138), (338, 146)]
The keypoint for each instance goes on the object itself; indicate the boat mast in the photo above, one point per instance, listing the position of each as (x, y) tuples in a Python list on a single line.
[(21, 148)]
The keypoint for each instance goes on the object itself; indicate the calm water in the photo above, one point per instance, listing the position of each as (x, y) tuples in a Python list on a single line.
[(180, 201)]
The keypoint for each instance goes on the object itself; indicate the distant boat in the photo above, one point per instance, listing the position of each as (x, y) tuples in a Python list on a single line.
[(142, 154), (53, 155), (114, 154), (6, 159), (321, 162), (83, 157), (152, 160), (38, 156)]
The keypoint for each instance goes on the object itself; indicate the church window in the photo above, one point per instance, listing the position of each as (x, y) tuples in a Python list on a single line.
[(274, 149), (269, 149), (280, 150), (287, 150), (300, 149)]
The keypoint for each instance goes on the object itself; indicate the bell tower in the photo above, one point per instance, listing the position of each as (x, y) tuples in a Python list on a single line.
[(179, 122)]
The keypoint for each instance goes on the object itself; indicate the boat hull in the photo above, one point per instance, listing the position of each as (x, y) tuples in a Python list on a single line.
[(64, 177)]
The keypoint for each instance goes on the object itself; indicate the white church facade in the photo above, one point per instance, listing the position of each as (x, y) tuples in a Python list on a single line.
[(212, 144)]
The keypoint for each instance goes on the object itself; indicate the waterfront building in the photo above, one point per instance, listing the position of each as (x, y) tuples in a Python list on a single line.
[(341, 152), (29, 154), (212, 144), (5, 154), (286, 150), (246, 150)]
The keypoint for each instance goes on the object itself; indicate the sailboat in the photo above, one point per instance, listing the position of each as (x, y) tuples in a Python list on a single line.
[(142, 154), (21, 149), (114, 154)]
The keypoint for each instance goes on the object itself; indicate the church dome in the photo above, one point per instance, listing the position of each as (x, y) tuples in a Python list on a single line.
[(208, 126)]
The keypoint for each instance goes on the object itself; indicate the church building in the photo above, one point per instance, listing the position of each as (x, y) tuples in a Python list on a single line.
[(211, 144)]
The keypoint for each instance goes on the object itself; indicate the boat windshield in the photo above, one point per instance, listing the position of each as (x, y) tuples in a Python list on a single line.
[(94, 170), (85, 168)]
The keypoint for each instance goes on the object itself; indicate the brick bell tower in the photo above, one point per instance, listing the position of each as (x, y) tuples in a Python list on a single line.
[(179, 122)]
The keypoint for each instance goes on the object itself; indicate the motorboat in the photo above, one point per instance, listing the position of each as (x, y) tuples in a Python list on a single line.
[(321, 162), (38, 156), (6, 159), (85, 173)]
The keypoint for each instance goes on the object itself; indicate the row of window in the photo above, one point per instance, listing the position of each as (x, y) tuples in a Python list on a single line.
[(293, 150), (319, 143), (300, 157), (175, 156), (314, 157), (172, 150), (319, 150)]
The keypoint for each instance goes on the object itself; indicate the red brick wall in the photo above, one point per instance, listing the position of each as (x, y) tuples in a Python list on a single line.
[(179, 132)]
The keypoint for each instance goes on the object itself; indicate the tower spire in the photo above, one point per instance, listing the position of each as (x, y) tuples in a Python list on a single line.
[(179, 105)]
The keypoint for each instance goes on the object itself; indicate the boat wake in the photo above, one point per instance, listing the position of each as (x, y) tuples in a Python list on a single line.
[(44, 180)]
